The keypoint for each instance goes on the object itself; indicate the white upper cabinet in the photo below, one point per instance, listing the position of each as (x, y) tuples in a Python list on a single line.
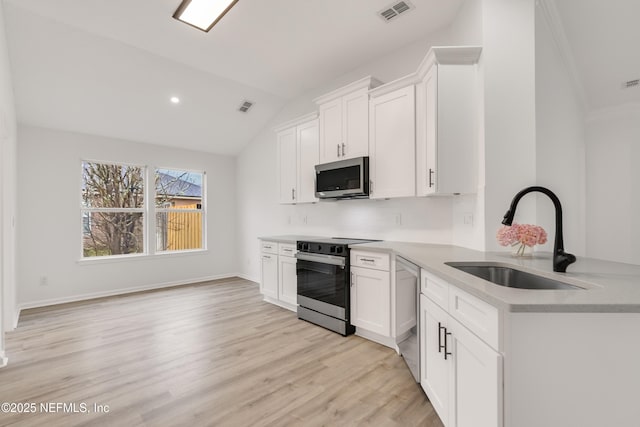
[(307, 159), (447, 125), (297, 156), (287, 165), (344, 121), (392, 143)]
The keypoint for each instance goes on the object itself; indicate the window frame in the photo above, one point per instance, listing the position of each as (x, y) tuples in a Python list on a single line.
[(149, 213), (144, 211), (202, 211)]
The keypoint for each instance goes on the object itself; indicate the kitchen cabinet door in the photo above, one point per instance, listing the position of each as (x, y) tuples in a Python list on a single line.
[(428, 128), (287, 283), (392, 144), (355, 125), (477, 376), (269, 284), (308, 157), (287, 165), (435, 371), (447, 112), (371, 300), (330, 122), (465, 389)]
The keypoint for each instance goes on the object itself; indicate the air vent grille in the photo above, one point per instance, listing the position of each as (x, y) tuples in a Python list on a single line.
[(245, 106), (631, 83), (389, 13)]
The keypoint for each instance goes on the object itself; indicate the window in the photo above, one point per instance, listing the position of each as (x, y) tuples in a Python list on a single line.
[(179, 210), (112, 209)]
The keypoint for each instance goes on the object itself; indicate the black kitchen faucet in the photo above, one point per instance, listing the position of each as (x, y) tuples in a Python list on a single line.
[(561, 259)]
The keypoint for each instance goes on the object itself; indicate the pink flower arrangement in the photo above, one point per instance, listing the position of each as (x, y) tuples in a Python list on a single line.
[(521, 234)]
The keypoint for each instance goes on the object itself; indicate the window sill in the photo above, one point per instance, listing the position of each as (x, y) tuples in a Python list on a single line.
[(139, 257)]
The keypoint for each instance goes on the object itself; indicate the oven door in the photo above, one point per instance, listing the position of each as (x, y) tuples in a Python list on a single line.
[(323, 283)]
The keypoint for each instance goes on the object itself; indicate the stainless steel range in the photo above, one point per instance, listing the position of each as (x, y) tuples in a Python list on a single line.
[(323, 283)]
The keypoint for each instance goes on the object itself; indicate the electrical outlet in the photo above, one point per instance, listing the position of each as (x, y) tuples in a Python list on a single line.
[(467, 218), (44, 281), (398, 219)]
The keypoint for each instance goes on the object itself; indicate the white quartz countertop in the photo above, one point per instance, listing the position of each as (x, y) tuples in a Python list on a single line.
[(289, 238), (609, 287)]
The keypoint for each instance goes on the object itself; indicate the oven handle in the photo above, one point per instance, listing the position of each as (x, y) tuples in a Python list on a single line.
[(322, 259)]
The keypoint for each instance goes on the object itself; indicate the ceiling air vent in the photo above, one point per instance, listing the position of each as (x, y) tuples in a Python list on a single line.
[(393, 11), (631, 83), (245, 106)]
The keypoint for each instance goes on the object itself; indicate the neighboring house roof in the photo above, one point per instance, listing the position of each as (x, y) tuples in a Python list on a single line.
[(172, 186)]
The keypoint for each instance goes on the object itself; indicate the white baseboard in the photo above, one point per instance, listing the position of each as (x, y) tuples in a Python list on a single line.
[(279, 303), (247, 277), (93, 295), (380, 339)]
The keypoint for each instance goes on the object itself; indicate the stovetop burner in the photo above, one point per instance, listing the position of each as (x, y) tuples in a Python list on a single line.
[(330, 245)]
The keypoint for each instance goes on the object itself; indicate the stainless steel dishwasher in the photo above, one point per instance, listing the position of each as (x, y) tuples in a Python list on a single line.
[(407, 313)]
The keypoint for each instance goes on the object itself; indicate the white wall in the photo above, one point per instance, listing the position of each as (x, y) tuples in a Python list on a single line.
[(7, 192), (560, 142), (613, 195), (468, 210), (508, 66), (49, 228)]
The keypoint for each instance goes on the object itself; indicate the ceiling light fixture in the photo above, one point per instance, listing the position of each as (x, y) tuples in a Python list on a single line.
[(203, 14), (175, 100)]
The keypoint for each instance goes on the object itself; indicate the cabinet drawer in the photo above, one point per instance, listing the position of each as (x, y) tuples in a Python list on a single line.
[(269, 247), (434, 288), (374, 260), (287, 249), (478, 316)]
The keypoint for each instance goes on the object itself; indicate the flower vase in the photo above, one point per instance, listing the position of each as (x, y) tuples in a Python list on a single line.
[(522, 250)]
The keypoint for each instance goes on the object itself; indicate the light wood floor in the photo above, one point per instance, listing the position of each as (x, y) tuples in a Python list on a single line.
[(206, 354)]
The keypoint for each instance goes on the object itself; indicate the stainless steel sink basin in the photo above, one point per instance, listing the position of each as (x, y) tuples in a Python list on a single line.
[(510, 277)]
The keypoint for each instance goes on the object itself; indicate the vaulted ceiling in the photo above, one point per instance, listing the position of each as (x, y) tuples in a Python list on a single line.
[(109, 67)]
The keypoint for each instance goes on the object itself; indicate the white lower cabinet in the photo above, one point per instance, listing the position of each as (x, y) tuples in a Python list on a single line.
[(373, 308), (287, 279), (434, 368), (269, 284), (460, 373), (279, 280), (370, 300)]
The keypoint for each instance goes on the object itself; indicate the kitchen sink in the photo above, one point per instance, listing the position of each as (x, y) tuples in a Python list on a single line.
[(510, 277)]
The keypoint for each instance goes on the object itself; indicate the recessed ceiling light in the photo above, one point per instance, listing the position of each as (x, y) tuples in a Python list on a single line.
[(203, 14), (175, 100)]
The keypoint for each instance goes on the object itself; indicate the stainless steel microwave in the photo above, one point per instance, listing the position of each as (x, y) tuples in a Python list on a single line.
[(344, 179)]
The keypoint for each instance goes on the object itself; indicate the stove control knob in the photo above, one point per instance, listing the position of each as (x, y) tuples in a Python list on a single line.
[(339, 249), (305, 246), (319, 249), (332, 249), (300, 246)]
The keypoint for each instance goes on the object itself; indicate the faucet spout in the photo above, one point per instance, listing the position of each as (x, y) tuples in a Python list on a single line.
[(561, 259)]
